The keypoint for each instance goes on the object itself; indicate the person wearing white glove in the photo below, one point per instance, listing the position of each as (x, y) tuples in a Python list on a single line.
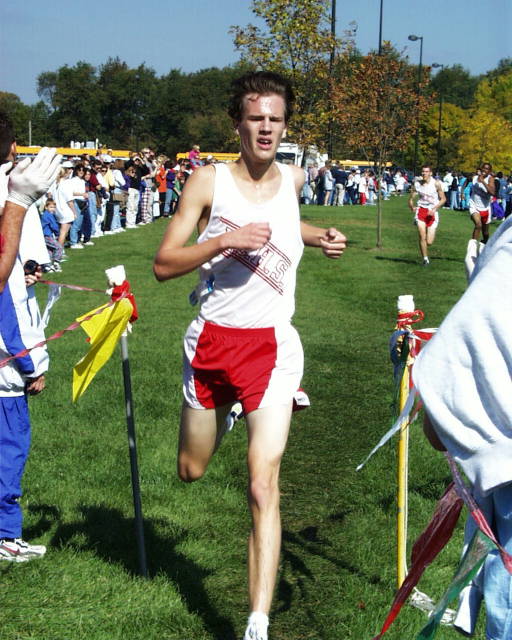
[(20, 328)]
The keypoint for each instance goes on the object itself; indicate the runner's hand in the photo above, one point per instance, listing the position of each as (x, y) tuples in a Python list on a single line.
[(249, 237), (333, 243), (29, 180)]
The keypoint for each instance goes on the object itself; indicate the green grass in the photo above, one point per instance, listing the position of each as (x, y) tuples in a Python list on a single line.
[(337, 575)]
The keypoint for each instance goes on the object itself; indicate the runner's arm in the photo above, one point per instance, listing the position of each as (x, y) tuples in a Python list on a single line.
[(331, 241), (173, 258), (412, 196), (441, 195), (491, 186)]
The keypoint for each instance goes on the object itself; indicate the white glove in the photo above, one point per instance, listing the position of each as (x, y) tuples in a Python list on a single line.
[(29, 180)]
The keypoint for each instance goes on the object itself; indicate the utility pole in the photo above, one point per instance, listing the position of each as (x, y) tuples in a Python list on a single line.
[(380, 27), (414, 38), (331, 69)]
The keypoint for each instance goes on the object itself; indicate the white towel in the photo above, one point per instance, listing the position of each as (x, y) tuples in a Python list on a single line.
[(464, 373)]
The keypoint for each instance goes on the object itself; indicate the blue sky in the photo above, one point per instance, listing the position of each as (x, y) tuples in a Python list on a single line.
[(37, 36)]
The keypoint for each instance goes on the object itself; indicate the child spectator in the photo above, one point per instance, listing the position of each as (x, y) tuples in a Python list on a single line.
[(51, 232)]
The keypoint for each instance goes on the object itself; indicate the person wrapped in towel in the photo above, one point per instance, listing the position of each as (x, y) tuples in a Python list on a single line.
[(464, 379)]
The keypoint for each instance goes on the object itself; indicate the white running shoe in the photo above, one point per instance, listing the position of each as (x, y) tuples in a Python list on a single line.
[(257, 627), (90, 243), (255, 632), (233, 416), (78, 245), (18, 550)]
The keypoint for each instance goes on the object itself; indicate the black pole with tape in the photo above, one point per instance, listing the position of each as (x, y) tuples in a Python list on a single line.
[(130, 423)]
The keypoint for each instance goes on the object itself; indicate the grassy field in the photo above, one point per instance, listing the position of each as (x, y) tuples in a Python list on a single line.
[(337, 574)]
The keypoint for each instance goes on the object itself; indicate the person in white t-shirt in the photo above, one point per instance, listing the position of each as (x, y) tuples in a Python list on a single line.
[(242, 345)]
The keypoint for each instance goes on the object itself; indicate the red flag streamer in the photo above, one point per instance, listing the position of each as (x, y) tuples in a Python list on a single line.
[(59, 334), (409, 317), (477, 513), (75, 287), (433, 539)]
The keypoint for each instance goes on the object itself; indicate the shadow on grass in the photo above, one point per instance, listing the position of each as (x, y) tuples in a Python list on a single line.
[(310, 542), (405, 260), (418, 262), (111, 537)]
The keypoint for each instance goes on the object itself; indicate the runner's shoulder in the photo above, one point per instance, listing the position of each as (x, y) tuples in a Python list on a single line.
[(201, 184)]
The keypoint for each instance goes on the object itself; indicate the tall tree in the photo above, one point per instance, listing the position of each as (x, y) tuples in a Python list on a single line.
[(454, 123), (297, 41), (487, 137), (456, 84), (19, 114), (494, 94), (72, 92), (376, 104), (126, 97)]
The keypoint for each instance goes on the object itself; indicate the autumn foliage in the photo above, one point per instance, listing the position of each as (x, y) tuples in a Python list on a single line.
[(376, 104), (296, 41)]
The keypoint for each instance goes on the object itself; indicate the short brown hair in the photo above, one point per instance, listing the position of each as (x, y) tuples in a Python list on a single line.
[(262, 83)]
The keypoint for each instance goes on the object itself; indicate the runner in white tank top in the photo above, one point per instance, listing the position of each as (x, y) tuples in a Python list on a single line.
[(251, 242), (262, 294), (426, 217), (480, 201)]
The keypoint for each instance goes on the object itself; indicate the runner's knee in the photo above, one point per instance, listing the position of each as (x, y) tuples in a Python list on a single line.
[(263, 490), (189, 470)]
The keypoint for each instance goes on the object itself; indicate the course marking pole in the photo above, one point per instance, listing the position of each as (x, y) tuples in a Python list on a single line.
[(132, 444), (405, 305)]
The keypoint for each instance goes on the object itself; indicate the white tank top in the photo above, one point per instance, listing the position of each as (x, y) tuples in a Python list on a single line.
[(427, 191), (252, 288), (480, 197)]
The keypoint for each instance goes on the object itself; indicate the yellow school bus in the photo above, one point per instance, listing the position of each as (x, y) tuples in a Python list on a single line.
[(220, 157), (123, 154)]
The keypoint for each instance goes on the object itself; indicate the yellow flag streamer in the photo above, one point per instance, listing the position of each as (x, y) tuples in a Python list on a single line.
[(104, 331)]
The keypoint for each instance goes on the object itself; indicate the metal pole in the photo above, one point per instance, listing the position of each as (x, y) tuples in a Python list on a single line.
[(436, 65), (380, 28), (439, 132), (417, 136), (330, 143), (130, 423)]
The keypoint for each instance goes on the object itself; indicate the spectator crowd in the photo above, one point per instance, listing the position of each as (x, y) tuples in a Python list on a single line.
[(99, 195), (335, 185)]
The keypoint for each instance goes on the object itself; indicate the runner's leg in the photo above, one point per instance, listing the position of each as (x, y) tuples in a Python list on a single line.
[(478, 225), (201, 432), (431, 235), (268, 433), (485, 232), (422, 238)]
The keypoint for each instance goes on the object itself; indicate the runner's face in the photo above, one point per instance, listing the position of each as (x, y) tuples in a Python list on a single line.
[(426, 172), (485, 170), (262, 126)]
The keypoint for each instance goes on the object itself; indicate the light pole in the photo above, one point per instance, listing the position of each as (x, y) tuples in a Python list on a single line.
[(380, 28), (330, 141), (413, 38), (437, 65)]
